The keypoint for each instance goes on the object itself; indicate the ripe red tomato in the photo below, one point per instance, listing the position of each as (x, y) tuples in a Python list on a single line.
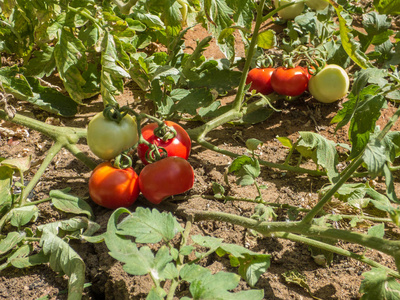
[(180, 145), (289, 81), (169, 176), (112, 188), (260, 79)]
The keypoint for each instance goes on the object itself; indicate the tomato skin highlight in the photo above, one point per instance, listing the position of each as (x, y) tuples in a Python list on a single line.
[(330, 84), (169, 176), (113, 188), (260, 79), (107, 139), (289, 81), (180, 145)]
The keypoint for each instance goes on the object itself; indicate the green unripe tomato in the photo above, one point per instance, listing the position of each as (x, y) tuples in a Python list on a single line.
[(330, 84), (317, 4), (289, 12), (107, 139)]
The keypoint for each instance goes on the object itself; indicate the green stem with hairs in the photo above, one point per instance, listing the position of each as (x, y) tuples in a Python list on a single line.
[(304, 231)]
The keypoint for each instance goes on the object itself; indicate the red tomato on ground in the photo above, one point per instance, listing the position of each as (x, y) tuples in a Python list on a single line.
[(169, 176), (112, 188), (289, 81), (180, 145), (260, 79)]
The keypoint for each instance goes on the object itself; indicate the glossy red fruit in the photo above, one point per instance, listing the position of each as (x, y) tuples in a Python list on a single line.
[(260, 79), (289, 81), (164, 178), (112, 188), (180, 145)]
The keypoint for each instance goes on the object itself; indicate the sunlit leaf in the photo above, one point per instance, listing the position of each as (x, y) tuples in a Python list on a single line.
[(69, 203), (378, 285), (64, 259), (323, 152)]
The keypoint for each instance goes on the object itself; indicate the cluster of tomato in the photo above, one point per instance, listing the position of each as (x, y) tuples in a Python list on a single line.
[(166, 172), (329, 84)]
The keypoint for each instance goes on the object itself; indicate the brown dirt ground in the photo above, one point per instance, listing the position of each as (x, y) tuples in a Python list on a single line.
[(341, 280)]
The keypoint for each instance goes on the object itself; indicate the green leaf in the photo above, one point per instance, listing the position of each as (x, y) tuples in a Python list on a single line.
[(30, 261), (212, 77), (189, 101), (71, 60), (266, 39), (350, 191), (143, 262), (149, 226), (363, 122), (114, 68), (74, 225), (15, 83), (369, 75), (251, 264), (204, 285), (323, 152), (285, 141), (253, 144), (69, 203), (246, 169), (377, 231), (348, 41), (374, 157), (22, 163), (257, 116), (207, 241), (51, 100), (10, 241), (218, 190), (23, 215), (6, 174), (378, 285), (43, 62), (389, 180), (64, 259), (390, 7)]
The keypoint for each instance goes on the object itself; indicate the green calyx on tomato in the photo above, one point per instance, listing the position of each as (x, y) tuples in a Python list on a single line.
[(317, 4), (169, 140), (290, 81), (260, 79), (291, 11), (164, 178), (330, 84), (112, 188), (108, 138)]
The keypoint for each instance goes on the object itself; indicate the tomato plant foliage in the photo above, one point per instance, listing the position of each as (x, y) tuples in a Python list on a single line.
[(95, 47)]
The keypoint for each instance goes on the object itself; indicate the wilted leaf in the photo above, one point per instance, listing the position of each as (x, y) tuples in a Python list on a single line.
[(10, 241), (64, 259), (21, 216)]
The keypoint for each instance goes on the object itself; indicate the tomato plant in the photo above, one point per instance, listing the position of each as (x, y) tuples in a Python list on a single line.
[(289, 12), (178, 144), (167, 177), (107, 138), (289, 81), (330, 84), (111, 187), (260, 79)]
